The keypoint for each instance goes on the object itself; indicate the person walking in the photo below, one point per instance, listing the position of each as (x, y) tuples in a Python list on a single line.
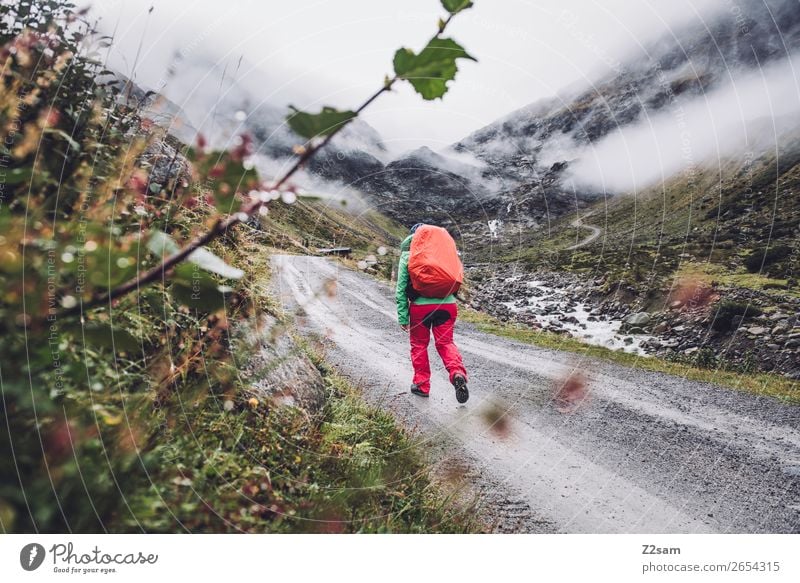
[(421, 315)]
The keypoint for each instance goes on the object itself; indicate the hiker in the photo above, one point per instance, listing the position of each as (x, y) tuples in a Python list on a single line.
[(428, 275)]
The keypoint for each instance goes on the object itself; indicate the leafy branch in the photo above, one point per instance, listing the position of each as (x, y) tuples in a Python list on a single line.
[(427, 71)]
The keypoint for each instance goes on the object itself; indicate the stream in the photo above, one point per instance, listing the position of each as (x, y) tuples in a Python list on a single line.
[(555, 309)]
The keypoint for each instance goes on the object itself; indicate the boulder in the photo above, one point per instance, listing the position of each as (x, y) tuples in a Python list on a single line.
[(660, 328), (638, 319), (281, 371)]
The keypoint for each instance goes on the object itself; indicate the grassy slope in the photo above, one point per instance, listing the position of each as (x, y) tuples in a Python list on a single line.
[(272, 469), (717, 216), (322, 223)]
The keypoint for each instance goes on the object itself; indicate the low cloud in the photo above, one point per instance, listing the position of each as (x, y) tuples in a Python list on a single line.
[(750, 113)]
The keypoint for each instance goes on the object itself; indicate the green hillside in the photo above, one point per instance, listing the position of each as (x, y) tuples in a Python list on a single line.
[(737, 222)]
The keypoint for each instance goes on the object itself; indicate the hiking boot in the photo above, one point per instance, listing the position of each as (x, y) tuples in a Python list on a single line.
[(415, 390), (460, 383)]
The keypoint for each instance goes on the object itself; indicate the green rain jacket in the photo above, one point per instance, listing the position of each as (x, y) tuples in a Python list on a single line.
[(402, 283)]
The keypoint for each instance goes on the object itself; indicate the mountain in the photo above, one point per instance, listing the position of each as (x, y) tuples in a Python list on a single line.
[(683, 65), (556, 157), (425, 186)]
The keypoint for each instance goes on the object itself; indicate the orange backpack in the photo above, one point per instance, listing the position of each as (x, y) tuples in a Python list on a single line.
[(434, 266)]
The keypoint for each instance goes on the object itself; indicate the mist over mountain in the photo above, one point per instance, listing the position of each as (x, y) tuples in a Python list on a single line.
[(678, 103), (707, 90)]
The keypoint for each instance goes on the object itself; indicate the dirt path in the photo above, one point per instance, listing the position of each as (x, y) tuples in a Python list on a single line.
[(595, 232), (648, 452)]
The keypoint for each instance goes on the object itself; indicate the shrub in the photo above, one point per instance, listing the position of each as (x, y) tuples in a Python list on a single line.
[(87, 388), (117, 320), (764, 257)]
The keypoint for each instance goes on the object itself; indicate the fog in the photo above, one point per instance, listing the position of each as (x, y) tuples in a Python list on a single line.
[(213, 63), (750, 114), (324, 52)]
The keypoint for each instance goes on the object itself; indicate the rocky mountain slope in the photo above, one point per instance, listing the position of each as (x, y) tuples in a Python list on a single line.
[(710, 259), (724, 230), (685, 64), (521, 174), (520, 177)]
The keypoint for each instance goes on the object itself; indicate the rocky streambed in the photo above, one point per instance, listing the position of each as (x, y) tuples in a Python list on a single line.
[(708, 326)]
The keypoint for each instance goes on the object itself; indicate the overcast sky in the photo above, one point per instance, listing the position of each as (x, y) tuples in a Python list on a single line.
[(336, 52)]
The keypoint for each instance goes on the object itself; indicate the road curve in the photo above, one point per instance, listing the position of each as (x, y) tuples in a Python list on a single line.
[(594, 234), (646, 452)]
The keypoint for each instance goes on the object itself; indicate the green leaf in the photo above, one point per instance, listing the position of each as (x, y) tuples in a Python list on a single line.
[(109, 267), (311, 125), (64, 135), (225, 202), (17, 175), (432, 68), (162, 245), (226, 177), (204, 258), (196, 289), (456, 6), (104, 335)]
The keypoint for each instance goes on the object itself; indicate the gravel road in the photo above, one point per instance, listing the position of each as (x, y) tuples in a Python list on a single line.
[(594, 233), (643, 452)]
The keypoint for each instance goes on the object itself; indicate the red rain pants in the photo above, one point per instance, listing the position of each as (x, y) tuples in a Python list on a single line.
[(440, 320)]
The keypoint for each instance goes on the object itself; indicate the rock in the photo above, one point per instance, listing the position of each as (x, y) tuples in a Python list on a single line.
[(757, 330), (691, 350), (792, 343), (675, 305), (638, 319), (660, 328), (280, 370), (165, 163), (780, 329)]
